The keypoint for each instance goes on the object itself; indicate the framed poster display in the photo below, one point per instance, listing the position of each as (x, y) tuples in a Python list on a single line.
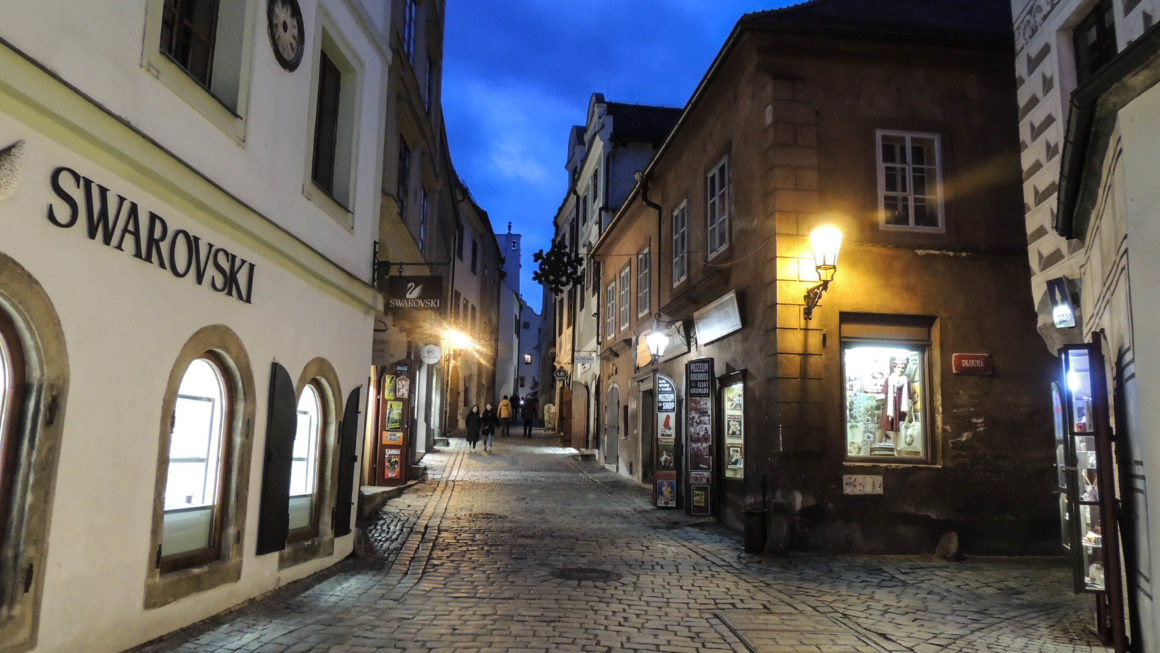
[(1085, 478), (665, 465), (394, 407), (733, 408), (699, 431)]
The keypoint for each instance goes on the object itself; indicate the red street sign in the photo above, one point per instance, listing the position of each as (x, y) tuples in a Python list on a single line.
[(971, 363)]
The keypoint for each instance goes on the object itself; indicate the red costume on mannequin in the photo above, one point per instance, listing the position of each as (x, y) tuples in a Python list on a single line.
[(897, 392)]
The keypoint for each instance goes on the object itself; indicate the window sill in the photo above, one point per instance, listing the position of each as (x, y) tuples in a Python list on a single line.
[(302, 551), (164, 589), (329, 205), (232, 124)]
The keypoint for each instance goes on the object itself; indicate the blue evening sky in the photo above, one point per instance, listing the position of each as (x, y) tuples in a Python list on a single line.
[(518, 74)]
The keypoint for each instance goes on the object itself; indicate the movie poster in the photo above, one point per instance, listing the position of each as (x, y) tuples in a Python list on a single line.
[(665, 464), (699, 432)]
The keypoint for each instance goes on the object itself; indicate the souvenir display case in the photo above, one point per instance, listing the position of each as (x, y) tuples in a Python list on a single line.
[(1085, 481)]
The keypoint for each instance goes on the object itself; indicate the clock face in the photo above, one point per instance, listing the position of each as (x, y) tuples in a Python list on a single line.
[(286, 32)]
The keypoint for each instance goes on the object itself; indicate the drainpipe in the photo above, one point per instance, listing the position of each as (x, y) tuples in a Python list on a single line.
[(643, 180)]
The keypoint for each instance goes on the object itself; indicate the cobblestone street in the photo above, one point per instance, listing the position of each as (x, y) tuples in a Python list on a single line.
[(485, 556)]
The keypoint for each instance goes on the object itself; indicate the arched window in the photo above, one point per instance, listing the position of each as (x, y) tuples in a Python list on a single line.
[(191, 530), (304, 469), (11, 384)]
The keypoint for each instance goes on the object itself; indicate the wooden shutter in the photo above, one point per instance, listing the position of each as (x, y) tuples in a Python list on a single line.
[(346, 464), (281, 425)]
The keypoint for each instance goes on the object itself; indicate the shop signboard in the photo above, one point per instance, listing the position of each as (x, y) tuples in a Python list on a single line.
[(666, 462), (414, 293), (699, 429)]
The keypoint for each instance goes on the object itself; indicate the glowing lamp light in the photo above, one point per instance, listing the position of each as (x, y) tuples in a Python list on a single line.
[(826, 242), (458, 339), (657, 341)]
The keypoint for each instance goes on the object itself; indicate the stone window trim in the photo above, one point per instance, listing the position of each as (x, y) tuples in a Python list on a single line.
[(38, 423), (305, 545), (224, 103), (230, 354), (610, 311)]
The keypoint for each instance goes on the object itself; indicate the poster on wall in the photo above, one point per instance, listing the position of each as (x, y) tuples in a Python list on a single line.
[(733, 406), (665, 466), (699, 429), (392, 464)]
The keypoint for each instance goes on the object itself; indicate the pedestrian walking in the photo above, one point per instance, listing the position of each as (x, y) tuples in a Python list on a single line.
[(505, 416), (474, 421), (515, 407), (487, 425), (529, 414)]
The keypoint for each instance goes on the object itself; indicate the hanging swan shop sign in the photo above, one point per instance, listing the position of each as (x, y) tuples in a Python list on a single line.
[(413, 293), (116, 222)]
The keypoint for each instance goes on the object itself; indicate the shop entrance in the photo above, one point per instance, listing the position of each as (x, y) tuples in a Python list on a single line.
[(612, 426)]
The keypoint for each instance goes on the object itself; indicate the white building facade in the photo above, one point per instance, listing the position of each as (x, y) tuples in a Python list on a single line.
[(1090, 127), (189, 193)]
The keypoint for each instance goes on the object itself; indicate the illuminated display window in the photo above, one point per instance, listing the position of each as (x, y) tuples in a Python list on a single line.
[(885, 401)]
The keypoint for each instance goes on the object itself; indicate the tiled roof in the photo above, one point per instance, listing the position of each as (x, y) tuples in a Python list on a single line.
[(639, 123), (979, 21)]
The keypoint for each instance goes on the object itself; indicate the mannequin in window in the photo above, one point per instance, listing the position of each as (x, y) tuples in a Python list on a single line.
[(897, 392)]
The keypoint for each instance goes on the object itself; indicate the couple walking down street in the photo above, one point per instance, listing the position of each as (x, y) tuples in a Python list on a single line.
[(481, 423)]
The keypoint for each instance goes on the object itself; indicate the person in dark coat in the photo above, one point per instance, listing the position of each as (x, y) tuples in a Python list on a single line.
[(488, 422), (529, 415), (474, 422)]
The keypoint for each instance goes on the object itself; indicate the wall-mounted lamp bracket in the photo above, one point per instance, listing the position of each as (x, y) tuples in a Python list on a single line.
[(813, 296)]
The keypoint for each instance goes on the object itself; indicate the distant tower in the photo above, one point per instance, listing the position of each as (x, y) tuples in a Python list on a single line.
[(509, 245)]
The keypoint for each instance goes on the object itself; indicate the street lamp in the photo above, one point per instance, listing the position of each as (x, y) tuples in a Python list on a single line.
[(825, 241), (657, 341)]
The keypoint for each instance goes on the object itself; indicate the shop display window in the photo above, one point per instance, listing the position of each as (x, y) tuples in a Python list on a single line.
[(304, 462), (196, 453), (885, 395)]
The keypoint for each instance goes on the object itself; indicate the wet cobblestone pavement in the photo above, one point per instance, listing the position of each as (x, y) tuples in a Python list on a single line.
[(530, 549)]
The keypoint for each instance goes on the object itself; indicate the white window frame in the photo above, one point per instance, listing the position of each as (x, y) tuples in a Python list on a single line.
[(643, 283), (340, 202), (625, 294), (226, 102), (610, 310), (718, 207), (907, 169), (681, 243)]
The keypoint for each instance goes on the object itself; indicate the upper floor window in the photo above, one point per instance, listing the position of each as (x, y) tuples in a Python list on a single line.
[(610, 311), (717, 208), (427, 84), (909, 180), (625, 294), (335, 115), (201, 51), (403, 178), (1094, 40), (423, 221), (527, 359), (459, 240), (188, 32), (680, 243), (643, 285), (194, 505), (326, 124), (305, 463), (409, 30), (474, 255)]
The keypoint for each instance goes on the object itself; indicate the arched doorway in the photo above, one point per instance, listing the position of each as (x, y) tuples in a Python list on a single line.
[(612, 426)]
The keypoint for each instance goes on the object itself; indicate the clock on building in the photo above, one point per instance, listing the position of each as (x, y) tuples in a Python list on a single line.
[(284, 23)]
